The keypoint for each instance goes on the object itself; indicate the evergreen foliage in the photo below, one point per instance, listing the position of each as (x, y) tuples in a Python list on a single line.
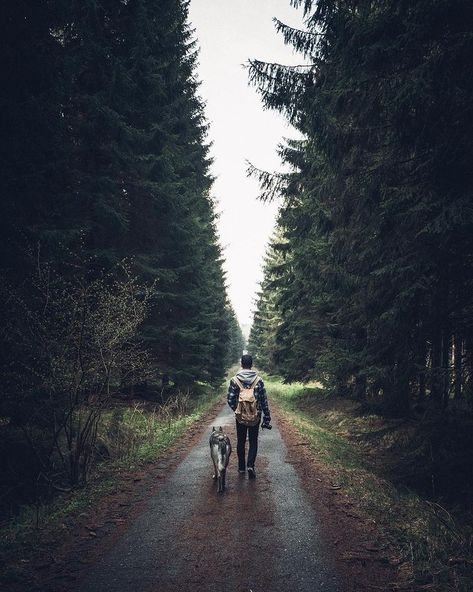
[(105, 154), (264, 339), (375, 293), (111, 270), (104, 158)]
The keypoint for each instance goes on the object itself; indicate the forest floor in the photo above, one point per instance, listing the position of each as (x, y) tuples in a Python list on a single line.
[(308, 522)]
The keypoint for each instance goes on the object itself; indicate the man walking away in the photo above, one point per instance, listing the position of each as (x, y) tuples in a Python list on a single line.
[(248, 410)]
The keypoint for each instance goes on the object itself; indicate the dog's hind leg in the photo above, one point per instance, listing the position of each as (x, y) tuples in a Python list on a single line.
[(213, 456)]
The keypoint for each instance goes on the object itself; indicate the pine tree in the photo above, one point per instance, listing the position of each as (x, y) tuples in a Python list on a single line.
[(118, 167), (32, 162), (265, 343), (172, 233), (376, 210)]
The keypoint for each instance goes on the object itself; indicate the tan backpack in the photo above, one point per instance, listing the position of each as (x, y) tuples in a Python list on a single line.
[(246, 411)]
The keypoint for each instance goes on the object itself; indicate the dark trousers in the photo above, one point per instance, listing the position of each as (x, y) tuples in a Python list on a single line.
[(242, 431)]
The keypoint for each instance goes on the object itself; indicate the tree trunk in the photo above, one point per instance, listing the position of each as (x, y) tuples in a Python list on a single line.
[(435, 370), (468, 369), (422, 363), (396, 388), (458, 357), (402, 384), (446, 353), (360, 387)]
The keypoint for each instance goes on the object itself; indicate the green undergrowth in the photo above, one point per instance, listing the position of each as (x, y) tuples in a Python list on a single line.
[(435, 541), (129, 437), (138, 434)]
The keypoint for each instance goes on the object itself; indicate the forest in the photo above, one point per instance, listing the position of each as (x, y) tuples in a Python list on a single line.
[(367, 295), (111, 271), (368, 284), (118, 334)]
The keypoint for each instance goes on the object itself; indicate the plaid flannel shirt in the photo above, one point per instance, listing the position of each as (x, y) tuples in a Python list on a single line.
[(259, 392)]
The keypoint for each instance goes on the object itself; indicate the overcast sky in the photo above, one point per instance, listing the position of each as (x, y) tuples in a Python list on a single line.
[(230, 32)]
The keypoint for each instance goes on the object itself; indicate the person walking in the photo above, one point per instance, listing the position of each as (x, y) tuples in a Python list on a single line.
[(247, 397)]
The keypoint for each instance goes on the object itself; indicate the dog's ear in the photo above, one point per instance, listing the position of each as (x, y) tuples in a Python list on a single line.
[(220, 429), (213, 429)]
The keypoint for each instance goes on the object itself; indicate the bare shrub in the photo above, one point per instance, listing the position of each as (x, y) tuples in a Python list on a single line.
[(67, 347)]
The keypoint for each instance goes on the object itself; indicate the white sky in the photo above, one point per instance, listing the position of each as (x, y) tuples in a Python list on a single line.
[(229, 32)]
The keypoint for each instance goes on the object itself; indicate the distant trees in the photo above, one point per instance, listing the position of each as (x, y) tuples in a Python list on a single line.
[(265, 342), (374, 294)]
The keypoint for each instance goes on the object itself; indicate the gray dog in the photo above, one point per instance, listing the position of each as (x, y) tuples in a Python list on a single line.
[(220, 450)]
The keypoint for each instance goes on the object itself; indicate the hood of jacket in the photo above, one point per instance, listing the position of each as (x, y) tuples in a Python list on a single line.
[(246, 376)]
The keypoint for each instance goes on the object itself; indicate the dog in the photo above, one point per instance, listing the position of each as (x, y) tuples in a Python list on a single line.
[(220, 450)]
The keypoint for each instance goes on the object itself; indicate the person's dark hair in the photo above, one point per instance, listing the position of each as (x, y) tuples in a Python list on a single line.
[(246, 361)]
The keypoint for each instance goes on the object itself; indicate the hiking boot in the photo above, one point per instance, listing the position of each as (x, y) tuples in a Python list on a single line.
[(251, 473)]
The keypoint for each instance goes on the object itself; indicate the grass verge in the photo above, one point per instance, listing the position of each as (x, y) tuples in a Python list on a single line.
[(132, 437), (435, 542)]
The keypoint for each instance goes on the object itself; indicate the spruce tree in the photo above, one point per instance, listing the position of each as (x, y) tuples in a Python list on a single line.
[(106, 159), (376, 209)]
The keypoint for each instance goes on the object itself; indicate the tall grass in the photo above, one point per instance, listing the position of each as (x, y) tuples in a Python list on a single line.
[(138, 434)]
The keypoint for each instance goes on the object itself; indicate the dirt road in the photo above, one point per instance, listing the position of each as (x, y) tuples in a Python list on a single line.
[(261, 535)]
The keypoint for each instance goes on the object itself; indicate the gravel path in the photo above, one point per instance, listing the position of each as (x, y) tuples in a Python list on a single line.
[(260, 536)]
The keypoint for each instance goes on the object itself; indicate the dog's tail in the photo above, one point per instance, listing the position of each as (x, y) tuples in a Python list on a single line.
[(222, 454)]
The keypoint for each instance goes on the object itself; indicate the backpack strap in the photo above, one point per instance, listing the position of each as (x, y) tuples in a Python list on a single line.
[(239, 383), (255, 382), (242, 386)]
